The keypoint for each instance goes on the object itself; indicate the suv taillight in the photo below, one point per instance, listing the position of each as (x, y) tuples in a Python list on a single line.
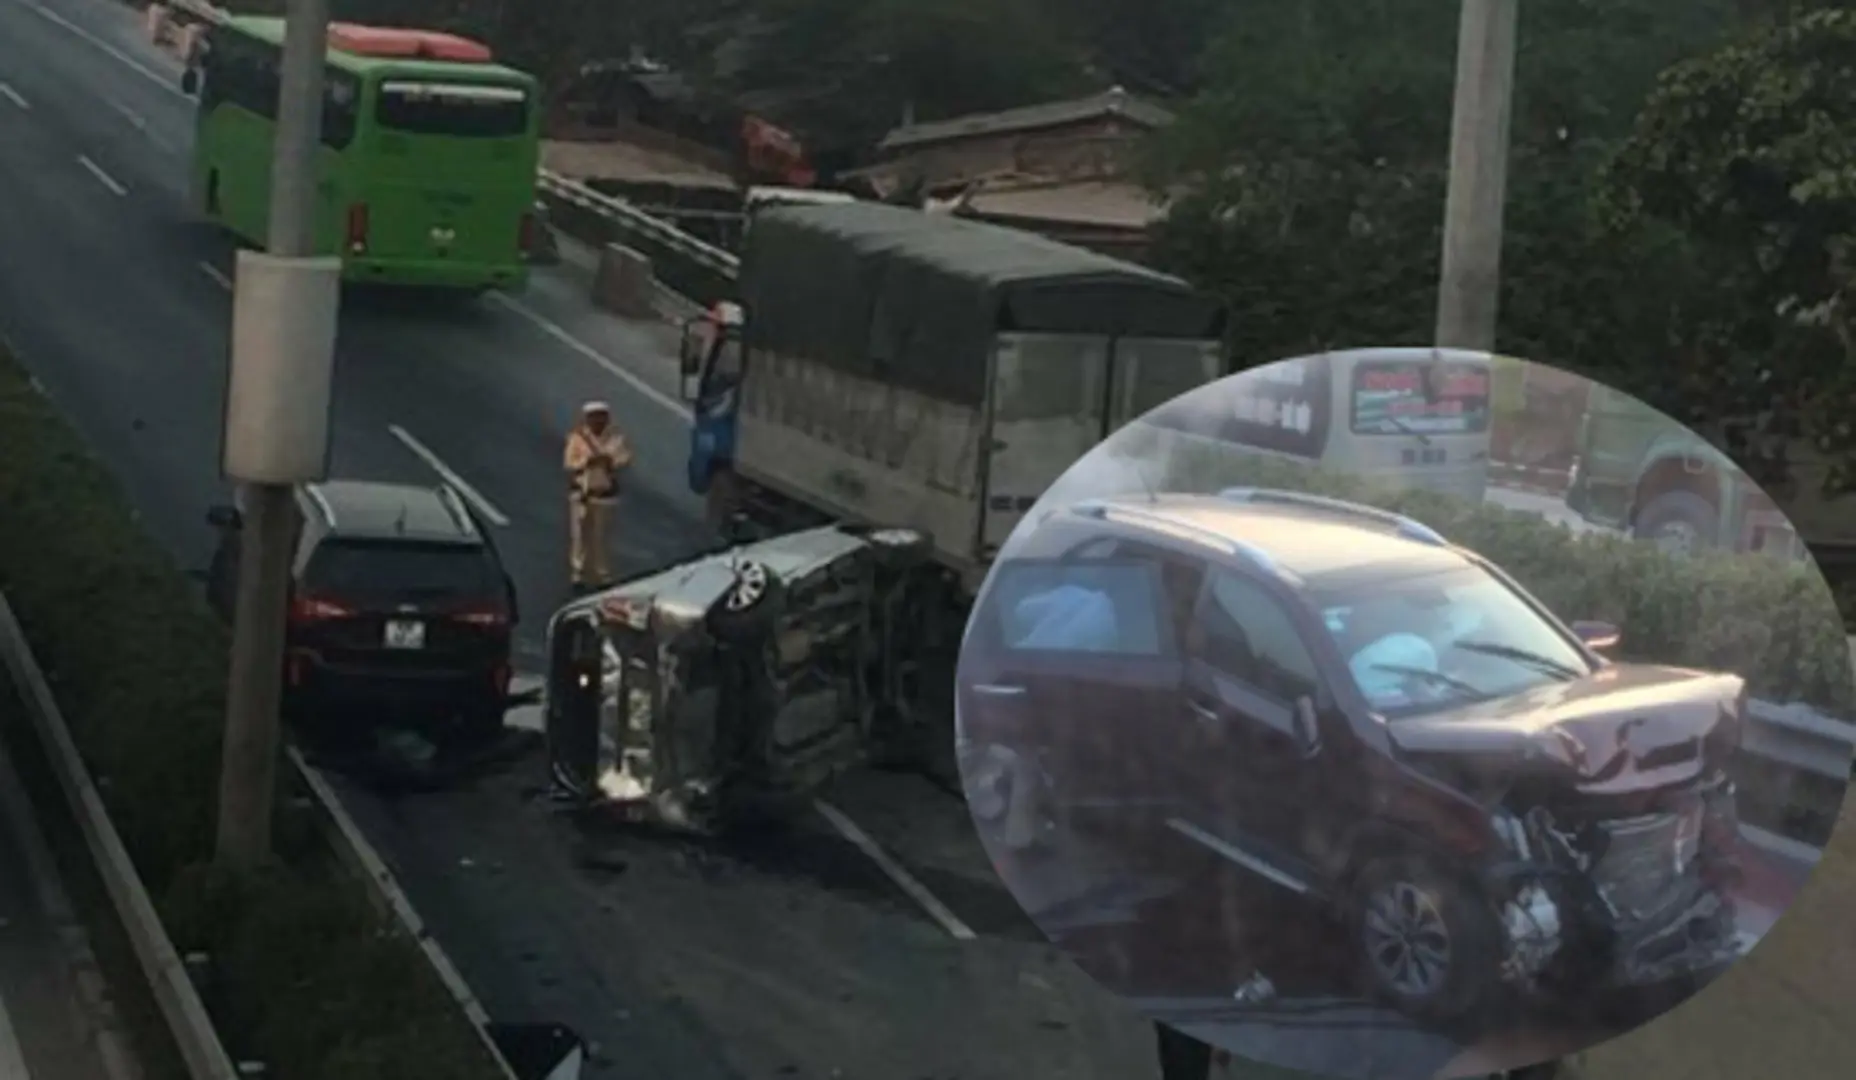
[(310, 609), (487, 617), (357, 229)]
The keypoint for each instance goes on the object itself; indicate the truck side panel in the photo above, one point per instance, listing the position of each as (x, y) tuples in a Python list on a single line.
[(864, 451)]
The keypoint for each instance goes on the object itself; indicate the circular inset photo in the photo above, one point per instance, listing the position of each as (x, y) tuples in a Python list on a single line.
[(1405, 713)]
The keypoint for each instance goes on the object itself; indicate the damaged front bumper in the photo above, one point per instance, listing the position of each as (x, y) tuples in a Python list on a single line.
[(1631, 903)]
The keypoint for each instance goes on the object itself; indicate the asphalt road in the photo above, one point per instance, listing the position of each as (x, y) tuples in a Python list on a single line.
[(799, 957)]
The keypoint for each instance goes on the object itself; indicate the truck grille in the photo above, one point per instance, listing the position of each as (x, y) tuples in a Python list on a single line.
[(1646, 860)]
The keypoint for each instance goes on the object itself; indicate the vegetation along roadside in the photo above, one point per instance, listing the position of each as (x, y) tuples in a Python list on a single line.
[(304, 974)]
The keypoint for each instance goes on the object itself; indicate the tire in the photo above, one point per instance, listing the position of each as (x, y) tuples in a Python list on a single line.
[(751, 609), (1681, 522), (898, 550), (1438, 907)]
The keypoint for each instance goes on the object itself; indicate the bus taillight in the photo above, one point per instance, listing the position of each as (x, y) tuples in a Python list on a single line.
[(357, 229)]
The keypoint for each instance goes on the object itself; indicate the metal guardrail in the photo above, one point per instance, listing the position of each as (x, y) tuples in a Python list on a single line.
[(195, 1036), (1802, 738), (624, 217), (630, 219)]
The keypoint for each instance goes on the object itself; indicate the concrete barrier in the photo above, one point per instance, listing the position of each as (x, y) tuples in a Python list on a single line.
[(625, 283), (157, 21), (186, 41)]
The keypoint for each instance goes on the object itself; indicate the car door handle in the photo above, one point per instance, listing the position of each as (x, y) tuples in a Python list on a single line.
[(999, 690)]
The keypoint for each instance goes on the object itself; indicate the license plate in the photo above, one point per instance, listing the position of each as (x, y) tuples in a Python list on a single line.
[(405, 634)]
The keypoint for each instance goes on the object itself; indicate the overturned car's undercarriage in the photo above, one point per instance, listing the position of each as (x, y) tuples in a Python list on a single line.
[(765, 668)]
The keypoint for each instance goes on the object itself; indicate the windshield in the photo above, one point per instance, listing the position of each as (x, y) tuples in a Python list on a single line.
[(1389, 399), (463, 110), (1420, 645)]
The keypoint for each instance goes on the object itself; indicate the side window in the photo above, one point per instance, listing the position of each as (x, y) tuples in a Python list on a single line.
[(1181, 580), (244, 73), (210, 65), (341, 108), (1244, 632), (269, 64), (1113, 608)]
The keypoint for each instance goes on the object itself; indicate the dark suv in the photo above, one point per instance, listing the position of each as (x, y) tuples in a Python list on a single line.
[(399, 603), (1360, 713)]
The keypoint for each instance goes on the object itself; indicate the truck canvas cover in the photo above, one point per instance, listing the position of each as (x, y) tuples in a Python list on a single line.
[(914, 299)]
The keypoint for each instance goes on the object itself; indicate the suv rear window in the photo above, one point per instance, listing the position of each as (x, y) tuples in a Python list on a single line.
[(397, 568)]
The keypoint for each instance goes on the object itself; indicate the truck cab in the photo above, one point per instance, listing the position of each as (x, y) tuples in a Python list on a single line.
[(711, 368), (1651, 477)]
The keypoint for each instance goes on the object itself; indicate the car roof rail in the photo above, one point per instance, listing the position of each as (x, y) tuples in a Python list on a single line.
[(1160, 521), (1407, 527)]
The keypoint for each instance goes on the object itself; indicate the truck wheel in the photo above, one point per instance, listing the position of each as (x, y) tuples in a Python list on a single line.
[(1679, 522), (751, 607), (1426, 943)]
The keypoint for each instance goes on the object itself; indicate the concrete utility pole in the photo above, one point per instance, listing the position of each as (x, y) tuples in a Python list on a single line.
[(276, 432), (1469, 287)]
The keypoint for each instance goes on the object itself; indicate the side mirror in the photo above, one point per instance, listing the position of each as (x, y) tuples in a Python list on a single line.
[(190, 81), (1307, 726), (1597, 636), (224, 518)]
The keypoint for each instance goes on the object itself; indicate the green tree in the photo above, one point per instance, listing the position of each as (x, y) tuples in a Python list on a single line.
[(843, 72), (1747, 151), (1309, 173)]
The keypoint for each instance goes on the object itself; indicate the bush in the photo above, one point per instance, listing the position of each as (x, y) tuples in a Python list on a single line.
[(1775, 622), (307, 976)]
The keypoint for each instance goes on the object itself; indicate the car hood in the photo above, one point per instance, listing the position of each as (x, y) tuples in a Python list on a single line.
[(1620, 728)]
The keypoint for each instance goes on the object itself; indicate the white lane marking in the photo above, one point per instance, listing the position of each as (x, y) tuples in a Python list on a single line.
[(103, 178), (12, 1058), (904, 880), (139, 123), (14, 96), (134, 118), (219, 276), (163, 81), (445, 472), (557, 332)]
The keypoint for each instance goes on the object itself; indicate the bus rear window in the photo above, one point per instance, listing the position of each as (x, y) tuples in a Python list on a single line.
[(1389, 399), (462, 110)]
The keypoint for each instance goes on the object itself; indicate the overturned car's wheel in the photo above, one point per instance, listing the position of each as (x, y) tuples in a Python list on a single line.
[(751, 606), (1427, 944), (899, 549)]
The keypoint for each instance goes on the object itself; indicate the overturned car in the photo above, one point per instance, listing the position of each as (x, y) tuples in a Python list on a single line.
[(764, 668)]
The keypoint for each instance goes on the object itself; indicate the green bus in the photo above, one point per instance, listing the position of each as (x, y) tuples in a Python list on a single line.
[(429, 152)]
